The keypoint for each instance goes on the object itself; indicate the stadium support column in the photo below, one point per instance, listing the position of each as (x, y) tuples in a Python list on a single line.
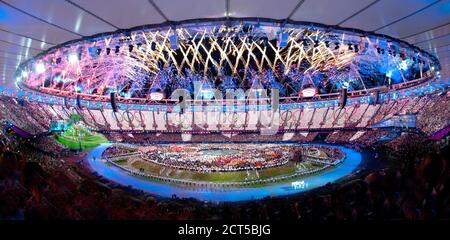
[(113, 101), (312, 118), (78, 101), (336, 118), (297, 123), (166, 118), (107, 124), (118, 123), (155, 125), (342, 97), (142, 120), (246, 120), (129, 120), (362, 115), (324, 117), (205, 115)]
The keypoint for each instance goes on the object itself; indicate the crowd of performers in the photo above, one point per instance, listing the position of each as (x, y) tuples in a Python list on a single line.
[(226, 157)]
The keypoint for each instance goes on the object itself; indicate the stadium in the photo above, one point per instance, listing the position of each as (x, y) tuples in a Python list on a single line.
[(235, 117)]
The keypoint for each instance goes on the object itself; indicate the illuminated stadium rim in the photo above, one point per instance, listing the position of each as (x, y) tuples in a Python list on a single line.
[(427, 87), (432, 60), (322, 97)]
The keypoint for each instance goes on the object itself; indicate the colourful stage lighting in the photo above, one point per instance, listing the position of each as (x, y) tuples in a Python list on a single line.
[(389, 74), (39, 68), (206, 93), (73, 58), (404, 65)]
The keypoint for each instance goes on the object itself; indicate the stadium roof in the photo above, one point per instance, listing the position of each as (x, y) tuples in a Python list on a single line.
[(30, 27)]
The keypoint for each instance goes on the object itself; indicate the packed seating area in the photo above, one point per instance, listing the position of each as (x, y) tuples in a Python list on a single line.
[(411, 184), (325, 153), (437, 106), (11, 110), (119, 150), (49, 146), (340, 136)]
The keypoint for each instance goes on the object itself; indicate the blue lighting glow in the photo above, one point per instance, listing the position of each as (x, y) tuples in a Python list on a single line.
[(3, 13), (127, 95), (58, 78), (353, 158), (73, 58), (389, 74), (206, 93), (40, 68), (404, 65)]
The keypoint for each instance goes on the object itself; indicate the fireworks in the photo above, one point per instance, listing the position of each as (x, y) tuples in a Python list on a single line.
[(134, 64)]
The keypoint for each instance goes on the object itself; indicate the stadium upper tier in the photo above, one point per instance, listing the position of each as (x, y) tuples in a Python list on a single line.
[(297, 59)]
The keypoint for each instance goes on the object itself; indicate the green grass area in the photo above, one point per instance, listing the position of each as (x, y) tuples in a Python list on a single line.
[(148, 167), (77, 137), (286, 169), (237, 176), (122, 161)]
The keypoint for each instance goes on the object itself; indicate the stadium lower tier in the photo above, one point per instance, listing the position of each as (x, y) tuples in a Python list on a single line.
[(223, 172)]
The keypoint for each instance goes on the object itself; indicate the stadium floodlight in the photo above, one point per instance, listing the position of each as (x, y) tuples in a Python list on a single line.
[(259, 92), (173, 39), (127, 95), (404, 65), (73, 58), (389, 74), (345, 85), (78, 89), (283, 39), (207, 93), (39, 68)]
